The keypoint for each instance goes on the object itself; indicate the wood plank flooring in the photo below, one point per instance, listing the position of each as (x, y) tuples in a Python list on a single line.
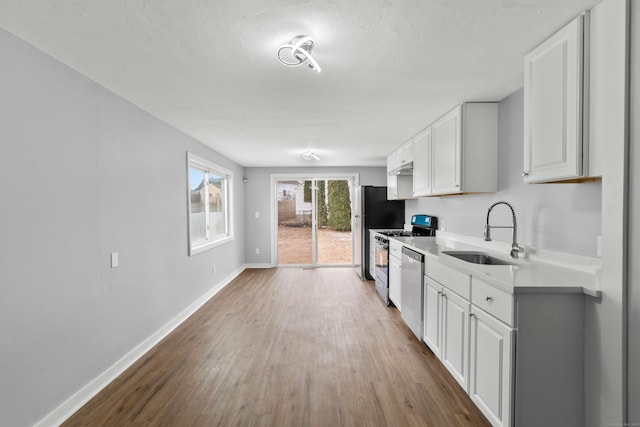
[(287, 347)]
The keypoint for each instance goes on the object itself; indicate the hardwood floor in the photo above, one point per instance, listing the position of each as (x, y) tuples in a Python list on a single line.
[(287, 347)]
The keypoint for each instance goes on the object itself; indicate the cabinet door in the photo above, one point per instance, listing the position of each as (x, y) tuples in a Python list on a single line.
[(447, 148), (395, 282), (491, 373), (455, 336), (422, 164), (405, 153), (432, 314), (393, 161), (553, 113), (392, 187)]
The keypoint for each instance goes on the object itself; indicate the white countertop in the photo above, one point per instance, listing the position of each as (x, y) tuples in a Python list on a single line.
[(525, 276)]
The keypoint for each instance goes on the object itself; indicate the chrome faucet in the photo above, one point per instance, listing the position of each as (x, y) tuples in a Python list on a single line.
[(515, 248)]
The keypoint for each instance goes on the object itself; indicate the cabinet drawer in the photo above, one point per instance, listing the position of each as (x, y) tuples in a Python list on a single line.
[(492, 300), (453, 279), (395, 248)]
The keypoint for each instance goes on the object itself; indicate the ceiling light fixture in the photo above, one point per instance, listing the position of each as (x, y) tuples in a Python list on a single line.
[(310, 155), (301, 48)]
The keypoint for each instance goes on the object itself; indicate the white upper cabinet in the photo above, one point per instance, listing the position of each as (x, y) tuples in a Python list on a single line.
[(456, 154), (402, 158), (555, 113), (399, 187), (464, 150), (405, 154), (399, 173), (447, 146), (422, 163)]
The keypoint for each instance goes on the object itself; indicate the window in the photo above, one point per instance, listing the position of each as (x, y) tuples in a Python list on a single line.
[(209, 204)]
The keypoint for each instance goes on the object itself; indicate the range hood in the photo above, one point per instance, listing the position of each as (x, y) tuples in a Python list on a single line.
[(404, 169)]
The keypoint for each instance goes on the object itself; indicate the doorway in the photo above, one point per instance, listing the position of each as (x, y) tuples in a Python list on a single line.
[(313, 218)]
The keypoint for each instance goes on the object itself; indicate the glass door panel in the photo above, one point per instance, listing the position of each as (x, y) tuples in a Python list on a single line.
[(295, 231), (333, 211)]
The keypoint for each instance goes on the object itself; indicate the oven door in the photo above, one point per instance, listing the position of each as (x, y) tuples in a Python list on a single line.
[(382, 268)]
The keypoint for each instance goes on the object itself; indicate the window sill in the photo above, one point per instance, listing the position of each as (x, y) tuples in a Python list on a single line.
[(209, 245)]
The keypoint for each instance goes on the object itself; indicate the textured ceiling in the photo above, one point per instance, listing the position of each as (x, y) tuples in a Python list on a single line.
[(209, 69)]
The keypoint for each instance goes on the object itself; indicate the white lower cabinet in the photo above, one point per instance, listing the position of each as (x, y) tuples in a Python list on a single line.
[(372, 255), (519, 356), (490, 366), (455, 336), (433, 308), (395, 282), (395, 272), (446, 328)]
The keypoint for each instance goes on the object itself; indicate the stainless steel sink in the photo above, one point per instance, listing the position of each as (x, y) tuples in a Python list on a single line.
[(477, 258)]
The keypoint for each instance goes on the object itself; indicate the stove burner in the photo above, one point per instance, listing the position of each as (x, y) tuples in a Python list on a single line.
[(395, 233)]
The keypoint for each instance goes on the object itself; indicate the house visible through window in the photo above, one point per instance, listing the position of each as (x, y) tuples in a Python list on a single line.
[(209, 204)]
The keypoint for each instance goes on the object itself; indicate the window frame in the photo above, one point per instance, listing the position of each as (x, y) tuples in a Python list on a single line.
[(195, 245)]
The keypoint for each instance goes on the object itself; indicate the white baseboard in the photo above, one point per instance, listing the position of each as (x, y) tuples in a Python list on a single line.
[(76, 401), (265, 265)]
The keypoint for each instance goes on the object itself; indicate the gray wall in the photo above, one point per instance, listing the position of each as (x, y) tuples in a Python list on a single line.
[(563, 217), (633, 331), (84, 173), (257, 199)]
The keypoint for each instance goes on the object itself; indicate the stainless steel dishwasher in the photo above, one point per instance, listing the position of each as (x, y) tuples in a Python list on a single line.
[(411, 292)]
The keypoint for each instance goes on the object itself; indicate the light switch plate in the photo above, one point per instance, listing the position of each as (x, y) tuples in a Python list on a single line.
[(114, 259)]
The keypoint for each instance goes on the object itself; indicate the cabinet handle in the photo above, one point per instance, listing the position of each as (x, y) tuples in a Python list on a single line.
[(471, 315), (489, 299), (525, 174)]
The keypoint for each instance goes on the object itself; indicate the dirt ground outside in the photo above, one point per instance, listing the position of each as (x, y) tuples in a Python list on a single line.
[(294, 246)]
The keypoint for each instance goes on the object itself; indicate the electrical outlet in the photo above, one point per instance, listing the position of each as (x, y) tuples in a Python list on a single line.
[(257, 251), (443, 225), (257, 215)]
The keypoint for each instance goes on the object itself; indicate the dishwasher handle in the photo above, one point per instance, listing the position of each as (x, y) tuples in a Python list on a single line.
[(417, 256)]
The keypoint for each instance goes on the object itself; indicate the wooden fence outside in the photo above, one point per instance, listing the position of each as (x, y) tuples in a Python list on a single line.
[(286, 210)]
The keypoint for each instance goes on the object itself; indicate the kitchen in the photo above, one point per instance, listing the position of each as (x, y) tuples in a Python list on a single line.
[(562, 217)]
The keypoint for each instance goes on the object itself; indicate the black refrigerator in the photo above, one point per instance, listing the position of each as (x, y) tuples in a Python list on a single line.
[(373, 210)]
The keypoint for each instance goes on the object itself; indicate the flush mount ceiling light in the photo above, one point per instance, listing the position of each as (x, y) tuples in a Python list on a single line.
[(310, 155), (298, 52)]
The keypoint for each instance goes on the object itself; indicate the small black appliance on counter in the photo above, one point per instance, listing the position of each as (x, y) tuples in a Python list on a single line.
[(424, 225)]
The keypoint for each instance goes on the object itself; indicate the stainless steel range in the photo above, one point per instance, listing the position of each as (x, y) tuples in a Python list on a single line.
[(423, 225), (382, 261)]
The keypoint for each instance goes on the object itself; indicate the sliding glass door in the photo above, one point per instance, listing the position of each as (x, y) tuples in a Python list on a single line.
[(313, 220), (294, 222)]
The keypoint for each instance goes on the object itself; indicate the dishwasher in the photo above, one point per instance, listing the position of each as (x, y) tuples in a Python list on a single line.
[(411, 292)]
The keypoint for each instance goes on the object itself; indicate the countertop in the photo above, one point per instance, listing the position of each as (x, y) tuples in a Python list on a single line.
[(525, 276)]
